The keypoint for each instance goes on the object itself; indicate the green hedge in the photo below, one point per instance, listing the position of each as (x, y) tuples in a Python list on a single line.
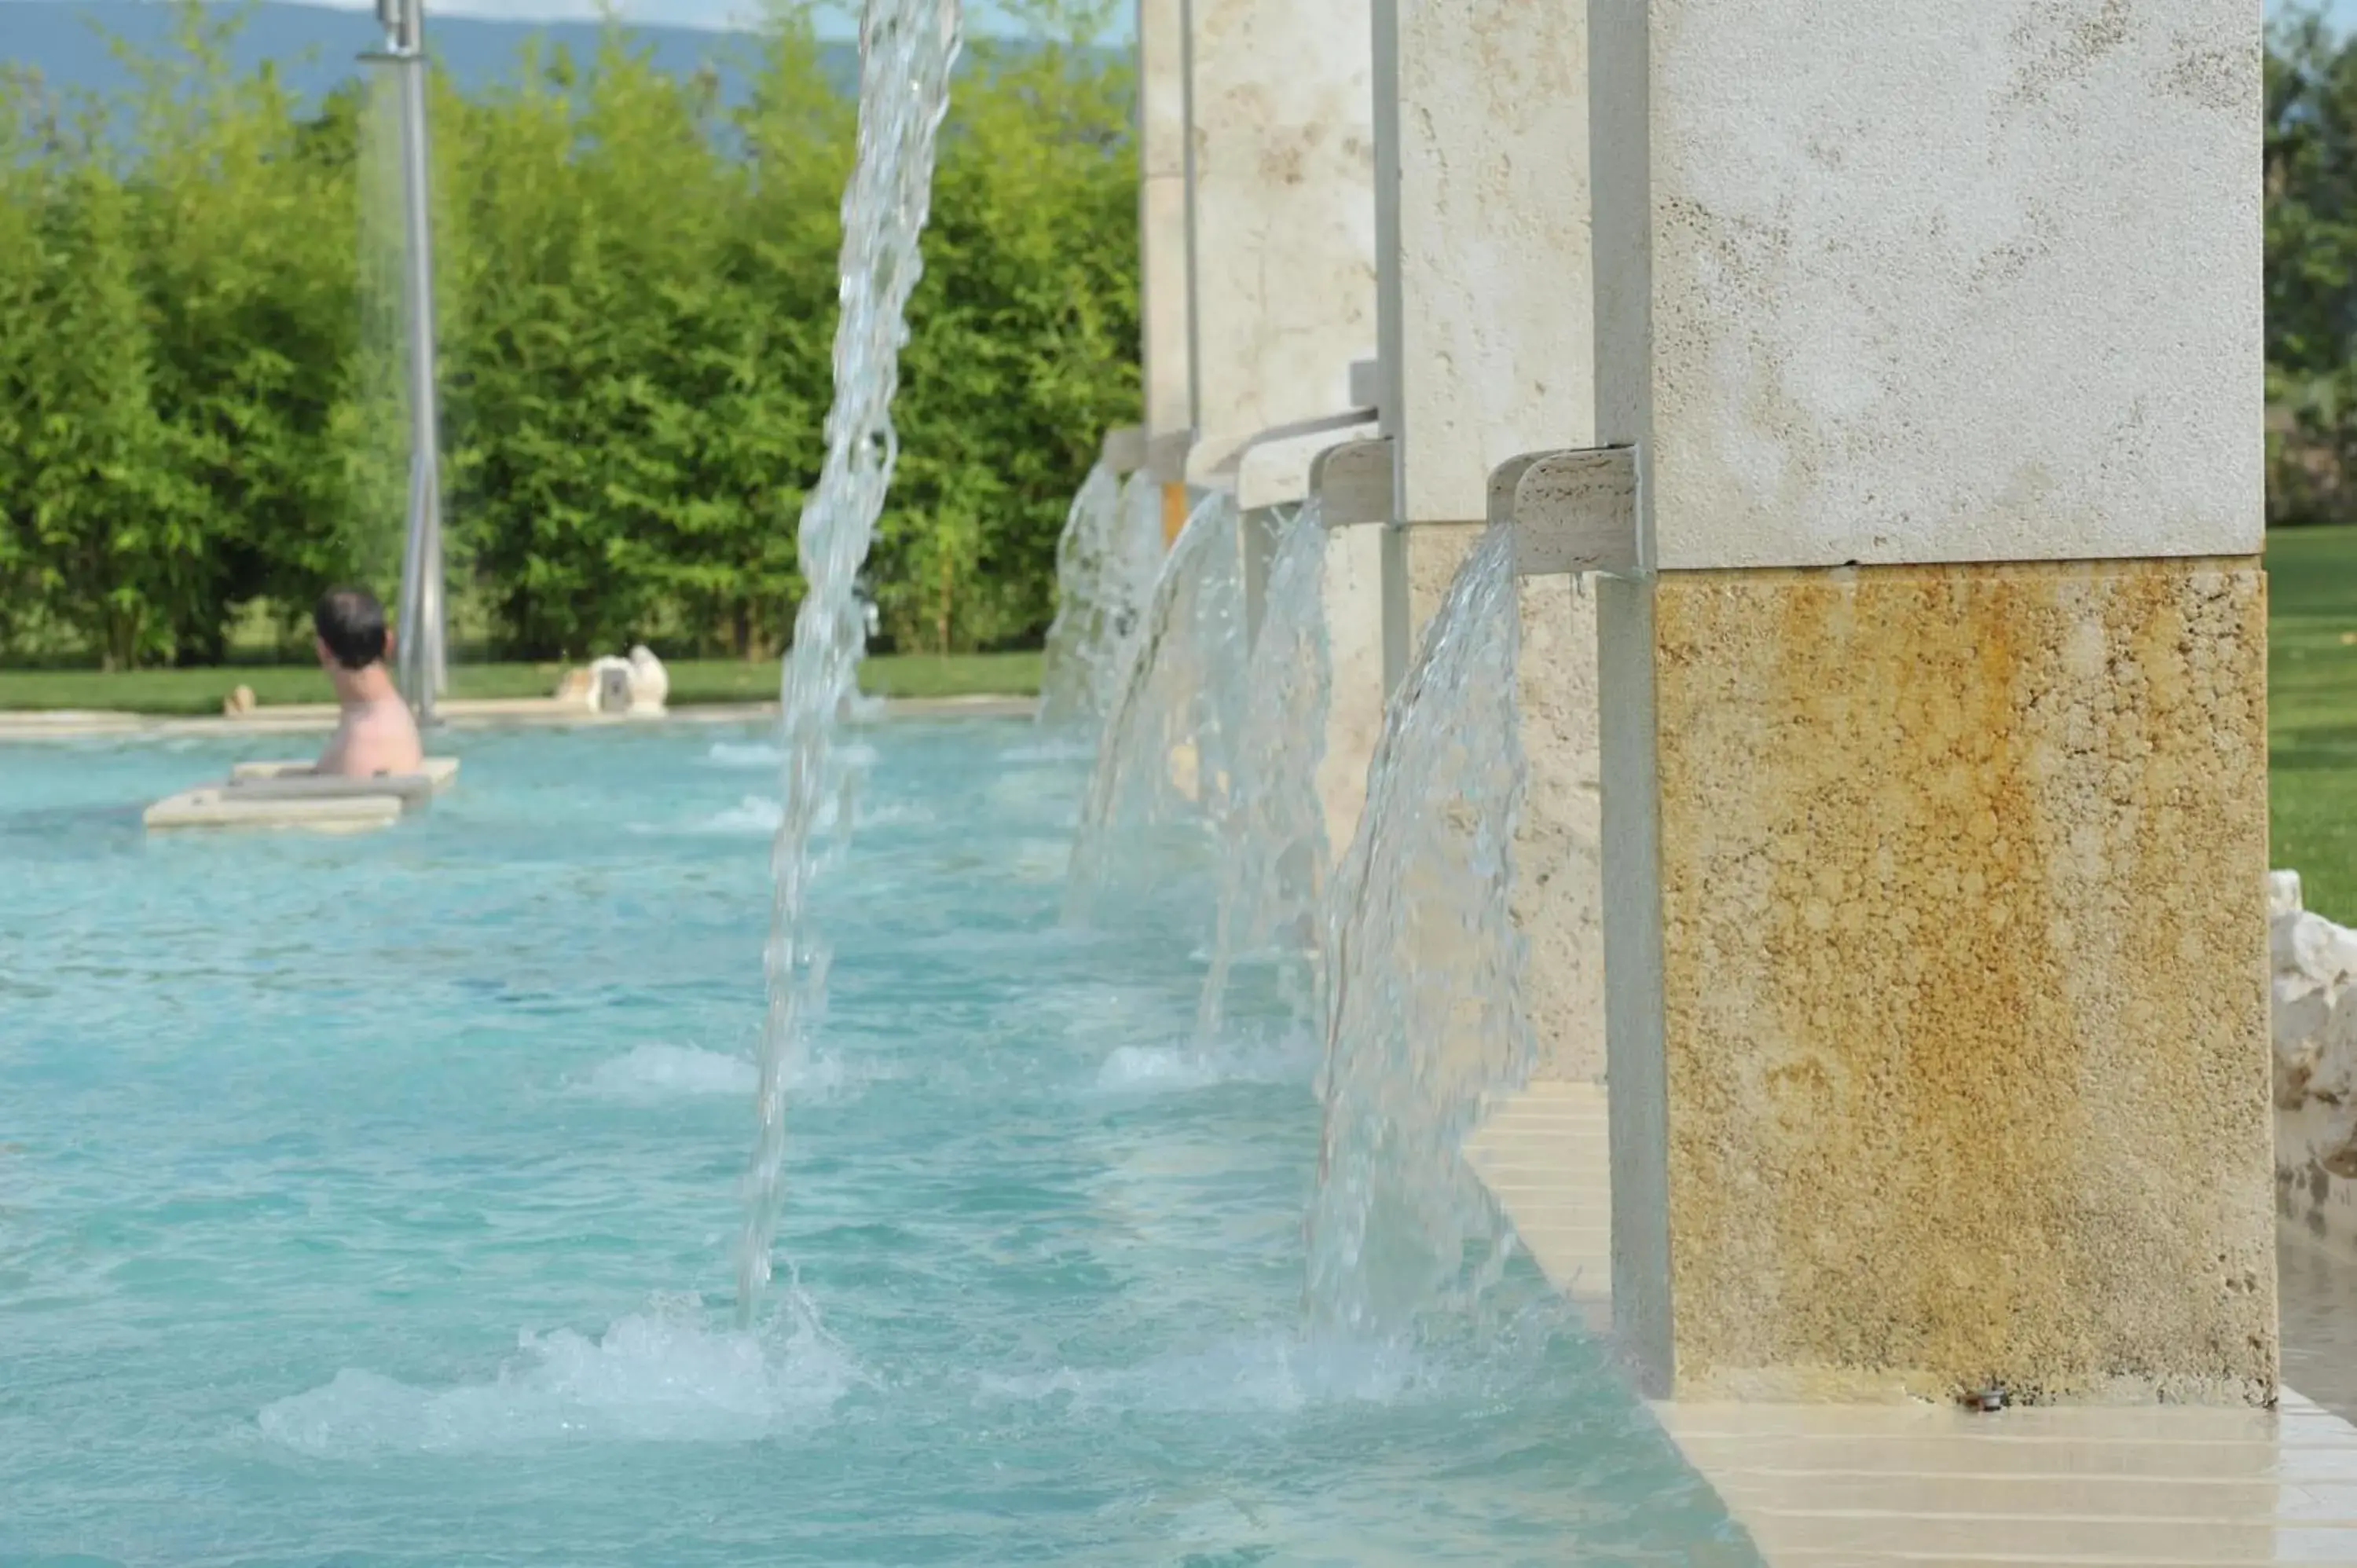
[(2312, 271), (199, 411)]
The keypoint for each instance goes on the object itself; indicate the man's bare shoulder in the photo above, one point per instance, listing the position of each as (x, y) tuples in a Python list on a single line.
[(380, 738)]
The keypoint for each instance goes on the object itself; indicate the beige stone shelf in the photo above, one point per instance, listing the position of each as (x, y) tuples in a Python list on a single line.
[(1867, 1486), (289, 795)]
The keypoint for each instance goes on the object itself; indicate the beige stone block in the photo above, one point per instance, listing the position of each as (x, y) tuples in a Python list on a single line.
[(1930, 281), (1434, 552), (1487, 313), (1162, 303), (1162, 214), (1355, 710), (1281, 215), (1963, 982)]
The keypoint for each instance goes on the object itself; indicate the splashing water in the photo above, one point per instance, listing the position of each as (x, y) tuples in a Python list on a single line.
[(1425, 1018), (906, 50), (665, 1374), (1168, 764), (1273, 874), (1105, 566)]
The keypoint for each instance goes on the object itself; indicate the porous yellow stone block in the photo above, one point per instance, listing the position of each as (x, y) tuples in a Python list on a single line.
[(1964, 981)]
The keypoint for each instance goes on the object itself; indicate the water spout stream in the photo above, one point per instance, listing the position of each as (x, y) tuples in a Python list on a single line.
[(1168, 758), (1274, 872), (1106, 561), (906, 50), (1425, 1019)]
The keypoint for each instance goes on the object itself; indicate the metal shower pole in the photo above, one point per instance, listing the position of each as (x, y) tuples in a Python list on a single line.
[(421, 653)]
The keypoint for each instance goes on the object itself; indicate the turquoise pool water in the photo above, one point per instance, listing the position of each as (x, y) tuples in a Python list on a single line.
[(370, 1201)]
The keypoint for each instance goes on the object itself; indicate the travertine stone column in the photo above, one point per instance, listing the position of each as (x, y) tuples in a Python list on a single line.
[(1934, 744), (1281, 218), (1281, 233), (1272, 477), (1351, 485), (1162, 213), (1488, 353), (1163, 276)]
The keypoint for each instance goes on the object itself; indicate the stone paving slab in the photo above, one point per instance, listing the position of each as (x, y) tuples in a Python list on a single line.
[(1869, 1486)]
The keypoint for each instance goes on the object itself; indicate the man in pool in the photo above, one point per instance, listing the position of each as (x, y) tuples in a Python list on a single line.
[(376, 734)]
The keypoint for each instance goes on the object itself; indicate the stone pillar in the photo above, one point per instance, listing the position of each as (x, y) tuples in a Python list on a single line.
[(1351, 485), (1280, 218), (1271, 477), (1487, 332), (1163, 273), (1280, 221), (1934, 744)]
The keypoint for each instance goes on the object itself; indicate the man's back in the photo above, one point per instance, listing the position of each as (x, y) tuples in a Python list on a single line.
[(372, 738)]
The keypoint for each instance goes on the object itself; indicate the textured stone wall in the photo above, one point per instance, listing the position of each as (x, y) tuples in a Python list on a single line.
[(1930, 281), (1162, 215), (1964, 984), (1488, 323), (1281, 215)]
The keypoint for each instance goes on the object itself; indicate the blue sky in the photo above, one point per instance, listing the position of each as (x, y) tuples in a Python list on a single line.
[(2343, 13)]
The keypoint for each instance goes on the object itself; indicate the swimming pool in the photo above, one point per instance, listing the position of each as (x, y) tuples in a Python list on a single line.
[(370, 1201)]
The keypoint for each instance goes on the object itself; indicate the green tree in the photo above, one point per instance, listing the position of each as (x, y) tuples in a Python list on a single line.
[(2310, 150), (202, 410), (105, 531), (1023, 343), (243, 226)]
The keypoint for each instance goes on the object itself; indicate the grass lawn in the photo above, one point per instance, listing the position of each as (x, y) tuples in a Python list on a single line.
[(2312, 711), (692, 680)]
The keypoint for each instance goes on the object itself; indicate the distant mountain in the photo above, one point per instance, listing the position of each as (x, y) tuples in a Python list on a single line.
[(315, 48)]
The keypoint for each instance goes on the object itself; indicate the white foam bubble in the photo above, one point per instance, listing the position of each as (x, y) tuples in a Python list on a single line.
[(856, 755), (664, 1072), (887, 814), (663, 1376), (739, 754), (754, 815), (655, 1071), (1148, 1069), (758, 816)]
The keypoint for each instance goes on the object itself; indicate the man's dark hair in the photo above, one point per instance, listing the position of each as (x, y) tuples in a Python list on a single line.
[(351, 623)]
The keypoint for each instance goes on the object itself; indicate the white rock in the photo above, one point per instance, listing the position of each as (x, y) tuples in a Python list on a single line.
[(649, 682), (2302, 1008), (2312, 1001), (2310, 945), (2334, 1075), (2282, 893)]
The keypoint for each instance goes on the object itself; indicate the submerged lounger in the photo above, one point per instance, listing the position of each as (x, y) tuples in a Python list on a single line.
[(286, 795), (442, 770), (221, 806)]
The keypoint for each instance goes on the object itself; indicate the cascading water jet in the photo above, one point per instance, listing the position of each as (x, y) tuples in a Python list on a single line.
[(1168, 764), (1106, 562), (1277, 862), (1424, 1015), (906, 50)]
